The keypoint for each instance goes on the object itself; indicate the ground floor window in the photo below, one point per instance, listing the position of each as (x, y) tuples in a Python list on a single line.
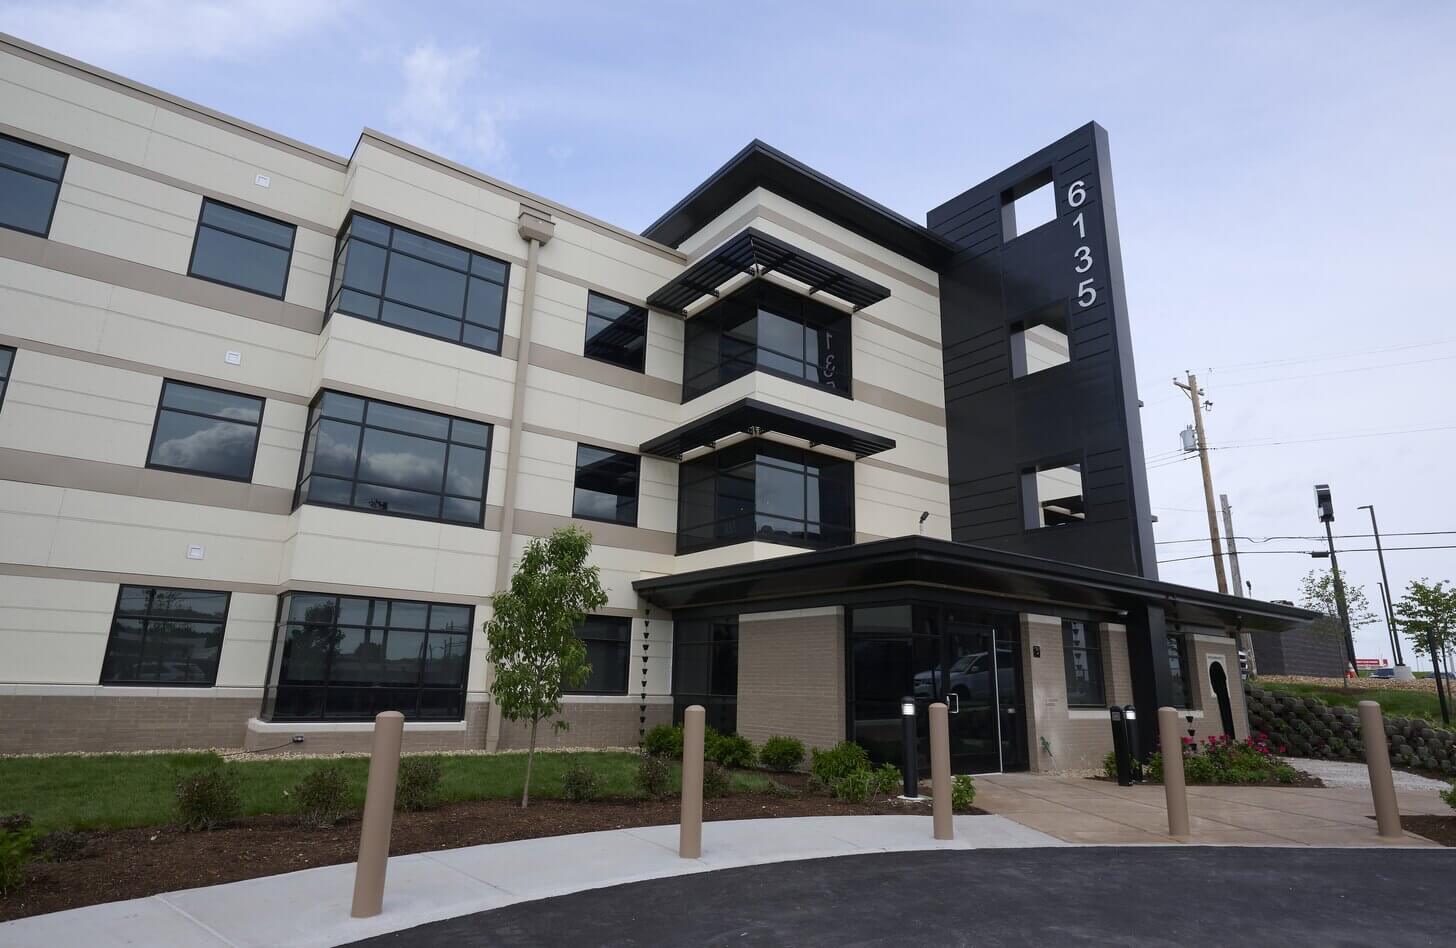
[(608, 641), (163, 636), (349, 658), (705, 670), (1182, 695), (1082, 655)]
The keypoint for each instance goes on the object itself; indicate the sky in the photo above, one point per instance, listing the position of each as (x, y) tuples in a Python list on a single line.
[(1284, 184)]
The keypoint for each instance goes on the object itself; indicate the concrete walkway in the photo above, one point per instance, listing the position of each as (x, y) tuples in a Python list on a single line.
[(312, 907), (1099, 812)]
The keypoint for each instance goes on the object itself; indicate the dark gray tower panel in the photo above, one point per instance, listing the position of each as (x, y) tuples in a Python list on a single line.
[(1004, 424)]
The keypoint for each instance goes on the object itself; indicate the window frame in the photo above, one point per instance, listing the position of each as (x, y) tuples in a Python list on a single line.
[(1183, 679), (197, 232), (721, 706), (1091, 652), (157, 418), (646, 324), (748, 452), (337, 286), (363, 425), (55, 201), (281, 622), (626, 645), (8, 374), (152, 683), (1048, 464), (636, 484)]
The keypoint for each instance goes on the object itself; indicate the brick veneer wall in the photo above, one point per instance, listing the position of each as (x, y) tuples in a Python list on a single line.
[(57, 723), (791, 675), (1203, 647), (593, 724), (1079, 738), (1300, 652)]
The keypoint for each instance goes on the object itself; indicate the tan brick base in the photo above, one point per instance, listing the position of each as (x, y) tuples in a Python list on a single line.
[(47, 724), (791, 676), (1078, 738), (593, 724)]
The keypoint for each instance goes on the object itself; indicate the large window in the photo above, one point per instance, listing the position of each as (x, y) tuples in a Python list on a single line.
[(608, 641), (346, 657), (241, 249), (404, 279), (165, 636), (30, 182), (388, 459), (1182, 696), (616, 332), (768, 329), (606, 485), (1082, 655), (705, 670), (202, 430), (763, 490), (7, 359)]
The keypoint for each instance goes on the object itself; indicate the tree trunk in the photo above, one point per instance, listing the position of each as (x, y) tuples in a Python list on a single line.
[(530, 759), (1440, 683)]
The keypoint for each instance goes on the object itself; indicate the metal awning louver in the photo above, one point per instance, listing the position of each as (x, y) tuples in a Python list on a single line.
[(752, 416), (757, 253)]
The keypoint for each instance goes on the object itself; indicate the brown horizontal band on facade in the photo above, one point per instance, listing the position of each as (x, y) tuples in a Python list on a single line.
[(618, 535), (902, 469), (578, 366), (110, 80), (891, 400), (104, 477), (104, 268), (190, 187)]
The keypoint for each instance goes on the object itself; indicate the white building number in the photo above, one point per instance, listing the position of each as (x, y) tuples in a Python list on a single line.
[(1086, 292)]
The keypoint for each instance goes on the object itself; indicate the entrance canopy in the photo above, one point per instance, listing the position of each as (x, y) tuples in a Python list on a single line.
[(1021, 582)]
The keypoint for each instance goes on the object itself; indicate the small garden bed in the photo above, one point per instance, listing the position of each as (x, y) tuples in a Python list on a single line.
[(1438, 829), (1222, 761)]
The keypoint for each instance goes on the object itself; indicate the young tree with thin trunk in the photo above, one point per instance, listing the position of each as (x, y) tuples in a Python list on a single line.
[(531, 636), (1428, 617)]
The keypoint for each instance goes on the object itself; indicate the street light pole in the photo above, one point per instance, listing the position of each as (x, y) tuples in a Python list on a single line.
[(1389, 612), (1326, 508)]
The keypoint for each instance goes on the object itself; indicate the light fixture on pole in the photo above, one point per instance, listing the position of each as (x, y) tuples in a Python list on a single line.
[(1325, 510)]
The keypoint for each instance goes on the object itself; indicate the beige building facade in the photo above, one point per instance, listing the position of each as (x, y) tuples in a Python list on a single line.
[(274, 423)]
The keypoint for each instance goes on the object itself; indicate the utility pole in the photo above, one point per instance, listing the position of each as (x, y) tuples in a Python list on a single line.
[(1389, 612), (1195, 395), (1326, 508), (1246, 641)]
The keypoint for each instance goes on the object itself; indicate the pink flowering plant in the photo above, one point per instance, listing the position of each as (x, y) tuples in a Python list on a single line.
[(1221, 759)]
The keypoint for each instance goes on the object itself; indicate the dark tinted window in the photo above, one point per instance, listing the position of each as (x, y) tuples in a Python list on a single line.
[(1182, 696), (347, 657), (30, 182), (165, 637), (1082, 656), (762, 490), (616, 332), (242, 249), (206, 431), (608, 641), (396, 276), (7, 359), (705, 670), (606, 485), (390, 459), (765, 328)]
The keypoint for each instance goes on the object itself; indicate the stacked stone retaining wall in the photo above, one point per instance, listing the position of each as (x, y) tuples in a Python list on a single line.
[(1307, 727)]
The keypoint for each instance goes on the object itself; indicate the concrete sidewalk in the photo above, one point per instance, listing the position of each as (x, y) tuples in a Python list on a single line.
[(312, 907), (1099, 812)]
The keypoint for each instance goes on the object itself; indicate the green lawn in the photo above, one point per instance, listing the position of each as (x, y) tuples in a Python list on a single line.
[(120, 790), (1393, 701)]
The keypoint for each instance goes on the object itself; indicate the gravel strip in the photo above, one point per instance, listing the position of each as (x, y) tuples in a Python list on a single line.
[(1340, 773)]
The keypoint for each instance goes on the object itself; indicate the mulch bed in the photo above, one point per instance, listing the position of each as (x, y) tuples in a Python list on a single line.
[(1438, 829), (133, 863), (1302, 780)]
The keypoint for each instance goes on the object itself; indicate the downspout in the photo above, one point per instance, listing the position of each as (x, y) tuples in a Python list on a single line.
[(536, 229)]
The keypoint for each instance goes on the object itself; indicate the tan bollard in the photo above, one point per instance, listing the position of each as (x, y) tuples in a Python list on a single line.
[(940, 814), (1170, 737), (378, 815), (1377, 760), (690, 824)]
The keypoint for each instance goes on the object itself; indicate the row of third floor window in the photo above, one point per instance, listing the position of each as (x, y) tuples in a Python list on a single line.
[(397, 277)]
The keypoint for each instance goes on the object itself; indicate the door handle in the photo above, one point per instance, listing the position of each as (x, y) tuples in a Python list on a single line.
[(954, 700)]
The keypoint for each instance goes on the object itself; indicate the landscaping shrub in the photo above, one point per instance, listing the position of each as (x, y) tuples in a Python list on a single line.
[(1222, 760), (839, 761), (15, 853), (580, 784), (654, 776), (1109, 766), (781, 753), (62, 845), (716, 781), (962, 793), (14, 822), (322, 796), (664, 740), (208, 799), (857, 786), (419, 784), (1450, 795), (730, 750), (887, 779), (776, 789)]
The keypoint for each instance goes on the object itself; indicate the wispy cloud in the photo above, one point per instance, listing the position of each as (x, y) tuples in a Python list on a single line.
[(121, 33), (438, 109)]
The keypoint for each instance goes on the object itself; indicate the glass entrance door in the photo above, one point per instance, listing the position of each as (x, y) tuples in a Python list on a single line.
[(969, 689)]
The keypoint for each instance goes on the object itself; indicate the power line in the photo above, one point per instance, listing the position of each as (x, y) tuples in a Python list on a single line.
[(1369, 549), (1245, 366), (1338, 536)]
